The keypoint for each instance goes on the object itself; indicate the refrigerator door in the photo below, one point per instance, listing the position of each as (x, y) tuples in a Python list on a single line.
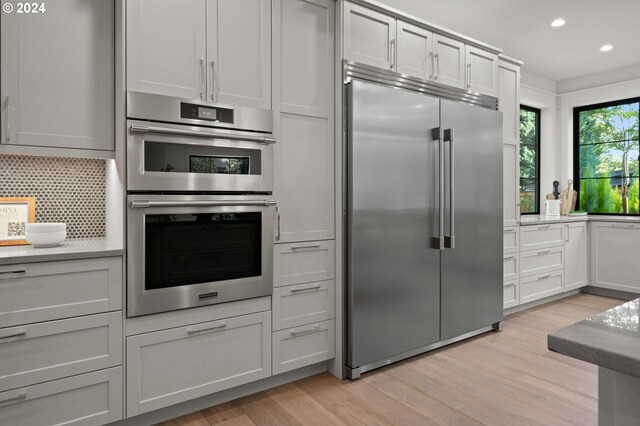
[(471, 286), (393, 273)]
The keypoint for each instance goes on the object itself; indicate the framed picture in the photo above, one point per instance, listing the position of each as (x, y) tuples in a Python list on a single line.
[(15, 213)]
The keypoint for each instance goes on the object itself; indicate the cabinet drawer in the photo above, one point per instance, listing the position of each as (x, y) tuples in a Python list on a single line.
[(301, 346), (511, 294), (303, 303), (89, 399), (171, 366), (510, 268), (541, 236), (540, 286), (303, 262), (46, 291), (511, 240), (52, 350), (538, 261)]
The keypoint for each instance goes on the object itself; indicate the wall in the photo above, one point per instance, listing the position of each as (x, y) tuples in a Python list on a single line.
[(68, 190)]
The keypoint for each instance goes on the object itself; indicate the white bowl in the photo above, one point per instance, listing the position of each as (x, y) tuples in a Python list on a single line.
[(45, 234)]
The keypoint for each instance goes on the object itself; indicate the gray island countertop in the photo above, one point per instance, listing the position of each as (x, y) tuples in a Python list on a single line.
[(610, 339), (69, 249), (540, 219)]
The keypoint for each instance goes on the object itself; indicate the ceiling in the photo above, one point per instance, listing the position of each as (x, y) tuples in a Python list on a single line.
[(522, 29)]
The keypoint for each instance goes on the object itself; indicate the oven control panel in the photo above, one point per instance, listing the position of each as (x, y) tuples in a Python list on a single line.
[(207, 113)]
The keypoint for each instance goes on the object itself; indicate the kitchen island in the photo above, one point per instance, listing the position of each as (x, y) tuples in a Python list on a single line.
[(610, 340)]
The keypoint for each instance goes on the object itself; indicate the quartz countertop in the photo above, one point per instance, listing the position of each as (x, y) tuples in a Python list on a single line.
[(69, 249), (610, 339), (538, 219)]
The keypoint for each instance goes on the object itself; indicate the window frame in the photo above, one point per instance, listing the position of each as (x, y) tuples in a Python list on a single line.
[(538, 113), (576, 147)]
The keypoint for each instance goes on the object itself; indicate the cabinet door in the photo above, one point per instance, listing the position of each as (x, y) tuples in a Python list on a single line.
[(369, 36), (449, 61), (415, 51), (575, 248), (482, 71), (175, 365), (239, 52), (303, 119), (166, 47), (615, 250), (509, 103), (58, 76), (510, 183)]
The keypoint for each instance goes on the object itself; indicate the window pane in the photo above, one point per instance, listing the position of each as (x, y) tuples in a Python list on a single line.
[(528, 127), (528, 162), (607, 156), (528, 195)]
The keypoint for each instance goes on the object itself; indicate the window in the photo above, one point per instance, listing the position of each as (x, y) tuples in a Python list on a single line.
[(529, 160), (606, 157)]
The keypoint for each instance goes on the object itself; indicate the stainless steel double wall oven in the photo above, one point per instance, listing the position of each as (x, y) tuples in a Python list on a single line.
[(200, 215)]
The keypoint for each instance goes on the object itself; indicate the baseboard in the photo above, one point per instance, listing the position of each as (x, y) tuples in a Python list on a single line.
[(197, 404), (607, 292)]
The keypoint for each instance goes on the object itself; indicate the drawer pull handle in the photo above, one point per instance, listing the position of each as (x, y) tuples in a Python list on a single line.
[(199, 330), (543, 277), (22, 395), (315, 329), (11, 273), (298, 289), (510, 285), (308, 246), (544, 251), (544, 227), (509, 257), (15, 334)]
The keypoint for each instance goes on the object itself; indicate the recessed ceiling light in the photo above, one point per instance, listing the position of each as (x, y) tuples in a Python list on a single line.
[(558, 22), (606, 48)]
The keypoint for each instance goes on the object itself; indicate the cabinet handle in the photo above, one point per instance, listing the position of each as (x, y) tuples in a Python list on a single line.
[(392, 53), (315, 329), (543, 277), (278, 223), (12, 273), (299, 289), (510, 285), (509, 257), (213, 81), (202, 78), (544, 251), (19, 397), (308, 246), (433, 65), (7, 135), (567, 229), (437, 56), (199, 330), (468, 76), (544, 227), (17, 333)]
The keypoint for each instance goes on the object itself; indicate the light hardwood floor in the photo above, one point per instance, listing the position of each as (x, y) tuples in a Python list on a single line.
[(499, 378)]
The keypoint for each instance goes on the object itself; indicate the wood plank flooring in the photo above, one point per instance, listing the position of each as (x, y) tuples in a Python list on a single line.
[(500, 378)]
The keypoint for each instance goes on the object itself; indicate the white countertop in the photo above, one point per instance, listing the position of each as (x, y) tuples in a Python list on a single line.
[(69, 249), (540, 218)]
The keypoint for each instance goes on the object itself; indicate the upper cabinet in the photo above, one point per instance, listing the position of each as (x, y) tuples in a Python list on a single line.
[(380, 40), (482, 71), (213, 50), (57, 77)]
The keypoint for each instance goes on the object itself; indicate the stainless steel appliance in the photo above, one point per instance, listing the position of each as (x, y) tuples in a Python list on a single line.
[(424, 219), (200, 216)]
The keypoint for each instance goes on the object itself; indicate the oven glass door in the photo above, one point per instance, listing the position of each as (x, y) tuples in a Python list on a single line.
[(172, 157), (189, 251)]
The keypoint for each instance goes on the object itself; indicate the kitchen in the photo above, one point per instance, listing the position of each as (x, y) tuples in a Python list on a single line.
[(296, 219)]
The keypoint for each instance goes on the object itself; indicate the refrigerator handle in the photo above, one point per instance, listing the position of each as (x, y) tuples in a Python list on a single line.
[(450, 240), (438, 136)]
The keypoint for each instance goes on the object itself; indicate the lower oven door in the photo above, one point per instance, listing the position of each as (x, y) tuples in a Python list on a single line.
[(188, 251)]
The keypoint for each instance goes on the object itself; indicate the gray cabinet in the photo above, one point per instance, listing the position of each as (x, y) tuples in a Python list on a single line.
[(482, 71), (509, 103), (415, 51), (615, 250), (58, 77), (369, 36), (449, 58), (214, 50), (303, 103), (576, 248)]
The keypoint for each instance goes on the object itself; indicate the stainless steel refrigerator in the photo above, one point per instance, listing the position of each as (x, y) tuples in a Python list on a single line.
[(424, 219)]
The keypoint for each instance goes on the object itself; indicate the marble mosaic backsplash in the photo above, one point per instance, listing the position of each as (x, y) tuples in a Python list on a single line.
[(69, 190)]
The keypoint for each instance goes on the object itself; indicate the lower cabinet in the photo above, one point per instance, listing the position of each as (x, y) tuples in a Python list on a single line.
[(576, 249), (511, 294), (175, 365), (615, 255), (304, 345), (303, 303), (88, 399), (541, 286)]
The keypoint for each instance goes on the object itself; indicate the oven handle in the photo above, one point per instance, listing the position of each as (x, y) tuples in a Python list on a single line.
[(139, 128), (143, 204)]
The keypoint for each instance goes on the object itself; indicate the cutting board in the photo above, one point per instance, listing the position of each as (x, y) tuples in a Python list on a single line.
[(568, 198)]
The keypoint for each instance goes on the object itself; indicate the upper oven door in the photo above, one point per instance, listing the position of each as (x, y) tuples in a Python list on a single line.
[(170, 157), (189, 251)]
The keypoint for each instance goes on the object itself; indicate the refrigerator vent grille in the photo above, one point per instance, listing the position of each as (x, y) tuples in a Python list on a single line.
[(402, 81)]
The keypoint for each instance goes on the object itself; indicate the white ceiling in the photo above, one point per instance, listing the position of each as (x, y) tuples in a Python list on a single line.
[(522, 29)]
